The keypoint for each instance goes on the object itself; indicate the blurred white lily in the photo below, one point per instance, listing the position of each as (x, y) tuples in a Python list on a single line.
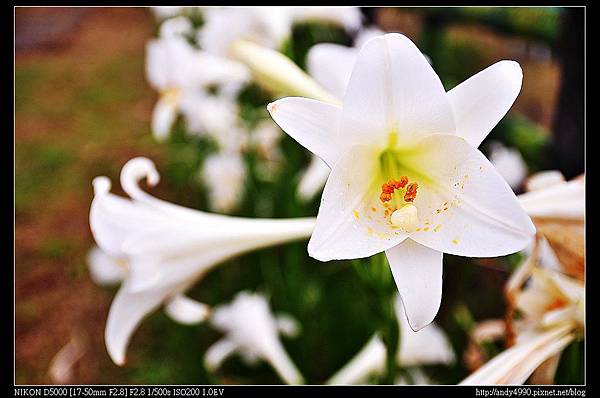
[(516, 364), (406, 176), (331, 64), (552, 306), (509, 163), (215, 116), (167, 248), (265, 139), (224, 174), (251, 328), (266, 26), (165, 12), (176, 70), (176, 27), (557, 199), (428, 346), (557, 208)]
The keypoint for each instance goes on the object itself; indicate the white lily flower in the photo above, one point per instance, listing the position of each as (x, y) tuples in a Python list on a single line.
[(544, 179), (551, 299), (558, 199), (162, 13), (406, 176), (175, 69), (428, 346), (224, 175), (552, 308), (348, 17), (266, 26), (330, 65), (167, 248), (515, 365), (223, 26), (509, 163), (212, 115), (176, 27), (251, 328), (557, 208)]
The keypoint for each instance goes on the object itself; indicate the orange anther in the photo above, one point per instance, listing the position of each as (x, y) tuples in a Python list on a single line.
[(401, 183), (387, 188), (411, 192), (385, 197)]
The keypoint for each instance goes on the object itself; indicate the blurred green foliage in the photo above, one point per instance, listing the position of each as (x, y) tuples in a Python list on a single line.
[(539, 23)]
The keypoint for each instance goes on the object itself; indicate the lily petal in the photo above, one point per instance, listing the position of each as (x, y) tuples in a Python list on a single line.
[(104, 269), (218, 352), (482, 100), (313, 179), (126, 312), (417, 271), (314, 124), (516, 364), (563, 200), (184, 310), (465, 207), (347, 227), (331, 66), (394, 89), (370, 360), (163, 117)]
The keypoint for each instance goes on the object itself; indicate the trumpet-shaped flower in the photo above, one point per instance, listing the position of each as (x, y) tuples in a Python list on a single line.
[(428, 346), (406, 176), (176, 70), (251, 328), (166, 248)]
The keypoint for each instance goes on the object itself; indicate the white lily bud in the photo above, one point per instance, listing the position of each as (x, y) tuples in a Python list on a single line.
[(278, 73)]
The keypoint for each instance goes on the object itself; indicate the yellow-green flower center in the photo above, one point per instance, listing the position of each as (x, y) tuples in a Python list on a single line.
[(397, 192)]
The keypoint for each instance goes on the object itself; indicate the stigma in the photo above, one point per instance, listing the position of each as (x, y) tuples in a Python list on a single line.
[(403, 213), (405, 218)]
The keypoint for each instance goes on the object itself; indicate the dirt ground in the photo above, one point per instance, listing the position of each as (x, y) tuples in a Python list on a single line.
[(82, 109)]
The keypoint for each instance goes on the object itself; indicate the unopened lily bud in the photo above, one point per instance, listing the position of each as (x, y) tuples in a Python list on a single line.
[(278, 73)]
